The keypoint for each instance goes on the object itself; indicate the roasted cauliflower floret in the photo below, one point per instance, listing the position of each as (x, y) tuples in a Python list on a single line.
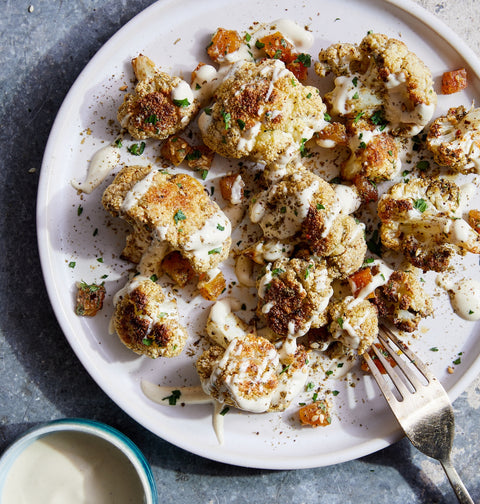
[(261, 111), (146, 321), (349, 252), (175, 210), (293, 295), (243, 375), (379, 78), (454, 140), (374, 154), (354, 322), (281, 209), (423, 219), (161, 105), (403, 301)]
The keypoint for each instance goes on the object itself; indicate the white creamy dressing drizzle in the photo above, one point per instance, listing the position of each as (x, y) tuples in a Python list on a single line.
[(397, 109), (237, 191), (182, 91), (74, 468), (464, 296), (380, 278), (283, 222), (223, 325), (233, 383), (211, 237), (342, 93), (102, 163), (137, 192)]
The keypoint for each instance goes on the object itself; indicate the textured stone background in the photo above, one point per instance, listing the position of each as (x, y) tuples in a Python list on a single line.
[(41, 53)]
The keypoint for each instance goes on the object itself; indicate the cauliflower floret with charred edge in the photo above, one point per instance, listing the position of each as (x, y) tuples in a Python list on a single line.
[(261, 111), (161, 105), (243, 375), (403, 301), (379, 78), (175, 210), (423, 219), (281, 209), (293, 295), (375, 156), (354, 322), (454, 140), (251, 375), (146, 321)]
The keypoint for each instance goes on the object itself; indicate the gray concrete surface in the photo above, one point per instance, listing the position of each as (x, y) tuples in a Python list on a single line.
[(44, 44)]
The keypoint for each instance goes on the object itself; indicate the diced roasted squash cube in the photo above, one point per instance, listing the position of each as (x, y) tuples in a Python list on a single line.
[(210, 289), (89, 299), (178, 268)]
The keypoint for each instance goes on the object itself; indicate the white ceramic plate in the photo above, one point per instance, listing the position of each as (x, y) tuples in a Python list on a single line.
[(175, 34)]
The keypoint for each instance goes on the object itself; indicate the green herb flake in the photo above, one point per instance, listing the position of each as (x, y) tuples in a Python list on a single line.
[(173, 398), (227, 118), (356, 96), (220, 227), (434, 349), (215, 251), (208, 111), (259, 45), (457, 361), (79, 210), (355, 81), (358, 117), (241, 124), (304, 59), (100, 259), (224, 411), (329, 372), (277, 271), (335, 392), (285, 369), (423, 165), (309, 387), (182, 103), (179, 216), (137, 149), (327, 117), (151, 119), (118, 143), (340, 322), (72, 264), (420, 204), (147, 341), (320, 206), (154, 278)]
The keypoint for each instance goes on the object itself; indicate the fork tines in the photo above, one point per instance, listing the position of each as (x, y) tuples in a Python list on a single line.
[(406, 381)]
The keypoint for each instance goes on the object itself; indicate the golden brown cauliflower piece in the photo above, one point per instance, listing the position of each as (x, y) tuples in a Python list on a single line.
[(454, 140), (146, 322), (293, 295), (243, 375), (281, 209), (403, 301), (161, 105), (380, 79), (354, 322), (423, 219), (175, 210), (261, 111)]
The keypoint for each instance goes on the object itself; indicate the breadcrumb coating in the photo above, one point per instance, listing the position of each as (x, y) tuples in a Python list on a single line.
[(161, 105), (261, 111), (146, 322)]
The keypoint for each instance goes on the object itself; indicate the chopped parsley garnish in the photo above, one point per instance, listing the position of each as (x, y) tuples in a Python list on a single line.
[(358, 117), (220, 227), (227, 117), (215, 251), (173, 398), (241, 124), (340, 322), (208, 111), (147, 341), (259, 45), (304, 59), (283, 209), (309, 386), (420, 204), (118, 142), (457, 361), (327, 117), (335, 392), (154, 278), (182, 103), (179, 216), (204, 174), (307, 271), (434, 349), (277, 271), (355, 81), (152, 119), (100, 259), (224, 411), (285, 368), (379, 120), (320, 206), (278, 54), (423, 165), (309, 95), (356, 96), (136, 149), (72, 264), (79, 210)]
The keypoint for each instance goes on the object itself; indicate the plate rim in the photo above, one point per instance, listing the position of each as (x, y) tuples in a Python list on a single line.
[(367, 447)]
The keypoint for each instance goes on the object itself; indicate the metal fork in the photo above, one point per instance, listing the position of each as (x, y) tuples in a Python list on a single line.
[(424, 411)]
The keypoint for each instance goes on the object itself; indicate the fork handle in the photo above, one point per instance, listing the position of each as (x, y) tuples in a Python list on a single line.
[(462, 493)]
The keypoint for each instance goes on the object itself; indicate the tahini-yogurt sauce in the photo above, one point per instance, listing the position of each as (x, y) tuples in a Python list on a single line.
[(464, 296), (74, 468)]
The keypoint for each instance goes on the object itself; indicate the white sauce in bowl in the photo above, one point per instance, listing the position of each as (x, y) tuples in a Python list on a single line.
[(74, 468)]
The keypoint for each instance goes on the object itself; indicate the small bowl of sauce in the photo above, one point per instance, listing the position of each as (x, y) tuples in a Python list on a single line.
[(75, 461)]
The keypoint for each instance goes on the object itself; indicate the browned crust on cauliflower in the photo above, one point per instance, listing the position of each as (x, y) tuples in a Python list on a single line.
[(151, 112), (403, 301), (261, 111), (454, 140), (143, 328)]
